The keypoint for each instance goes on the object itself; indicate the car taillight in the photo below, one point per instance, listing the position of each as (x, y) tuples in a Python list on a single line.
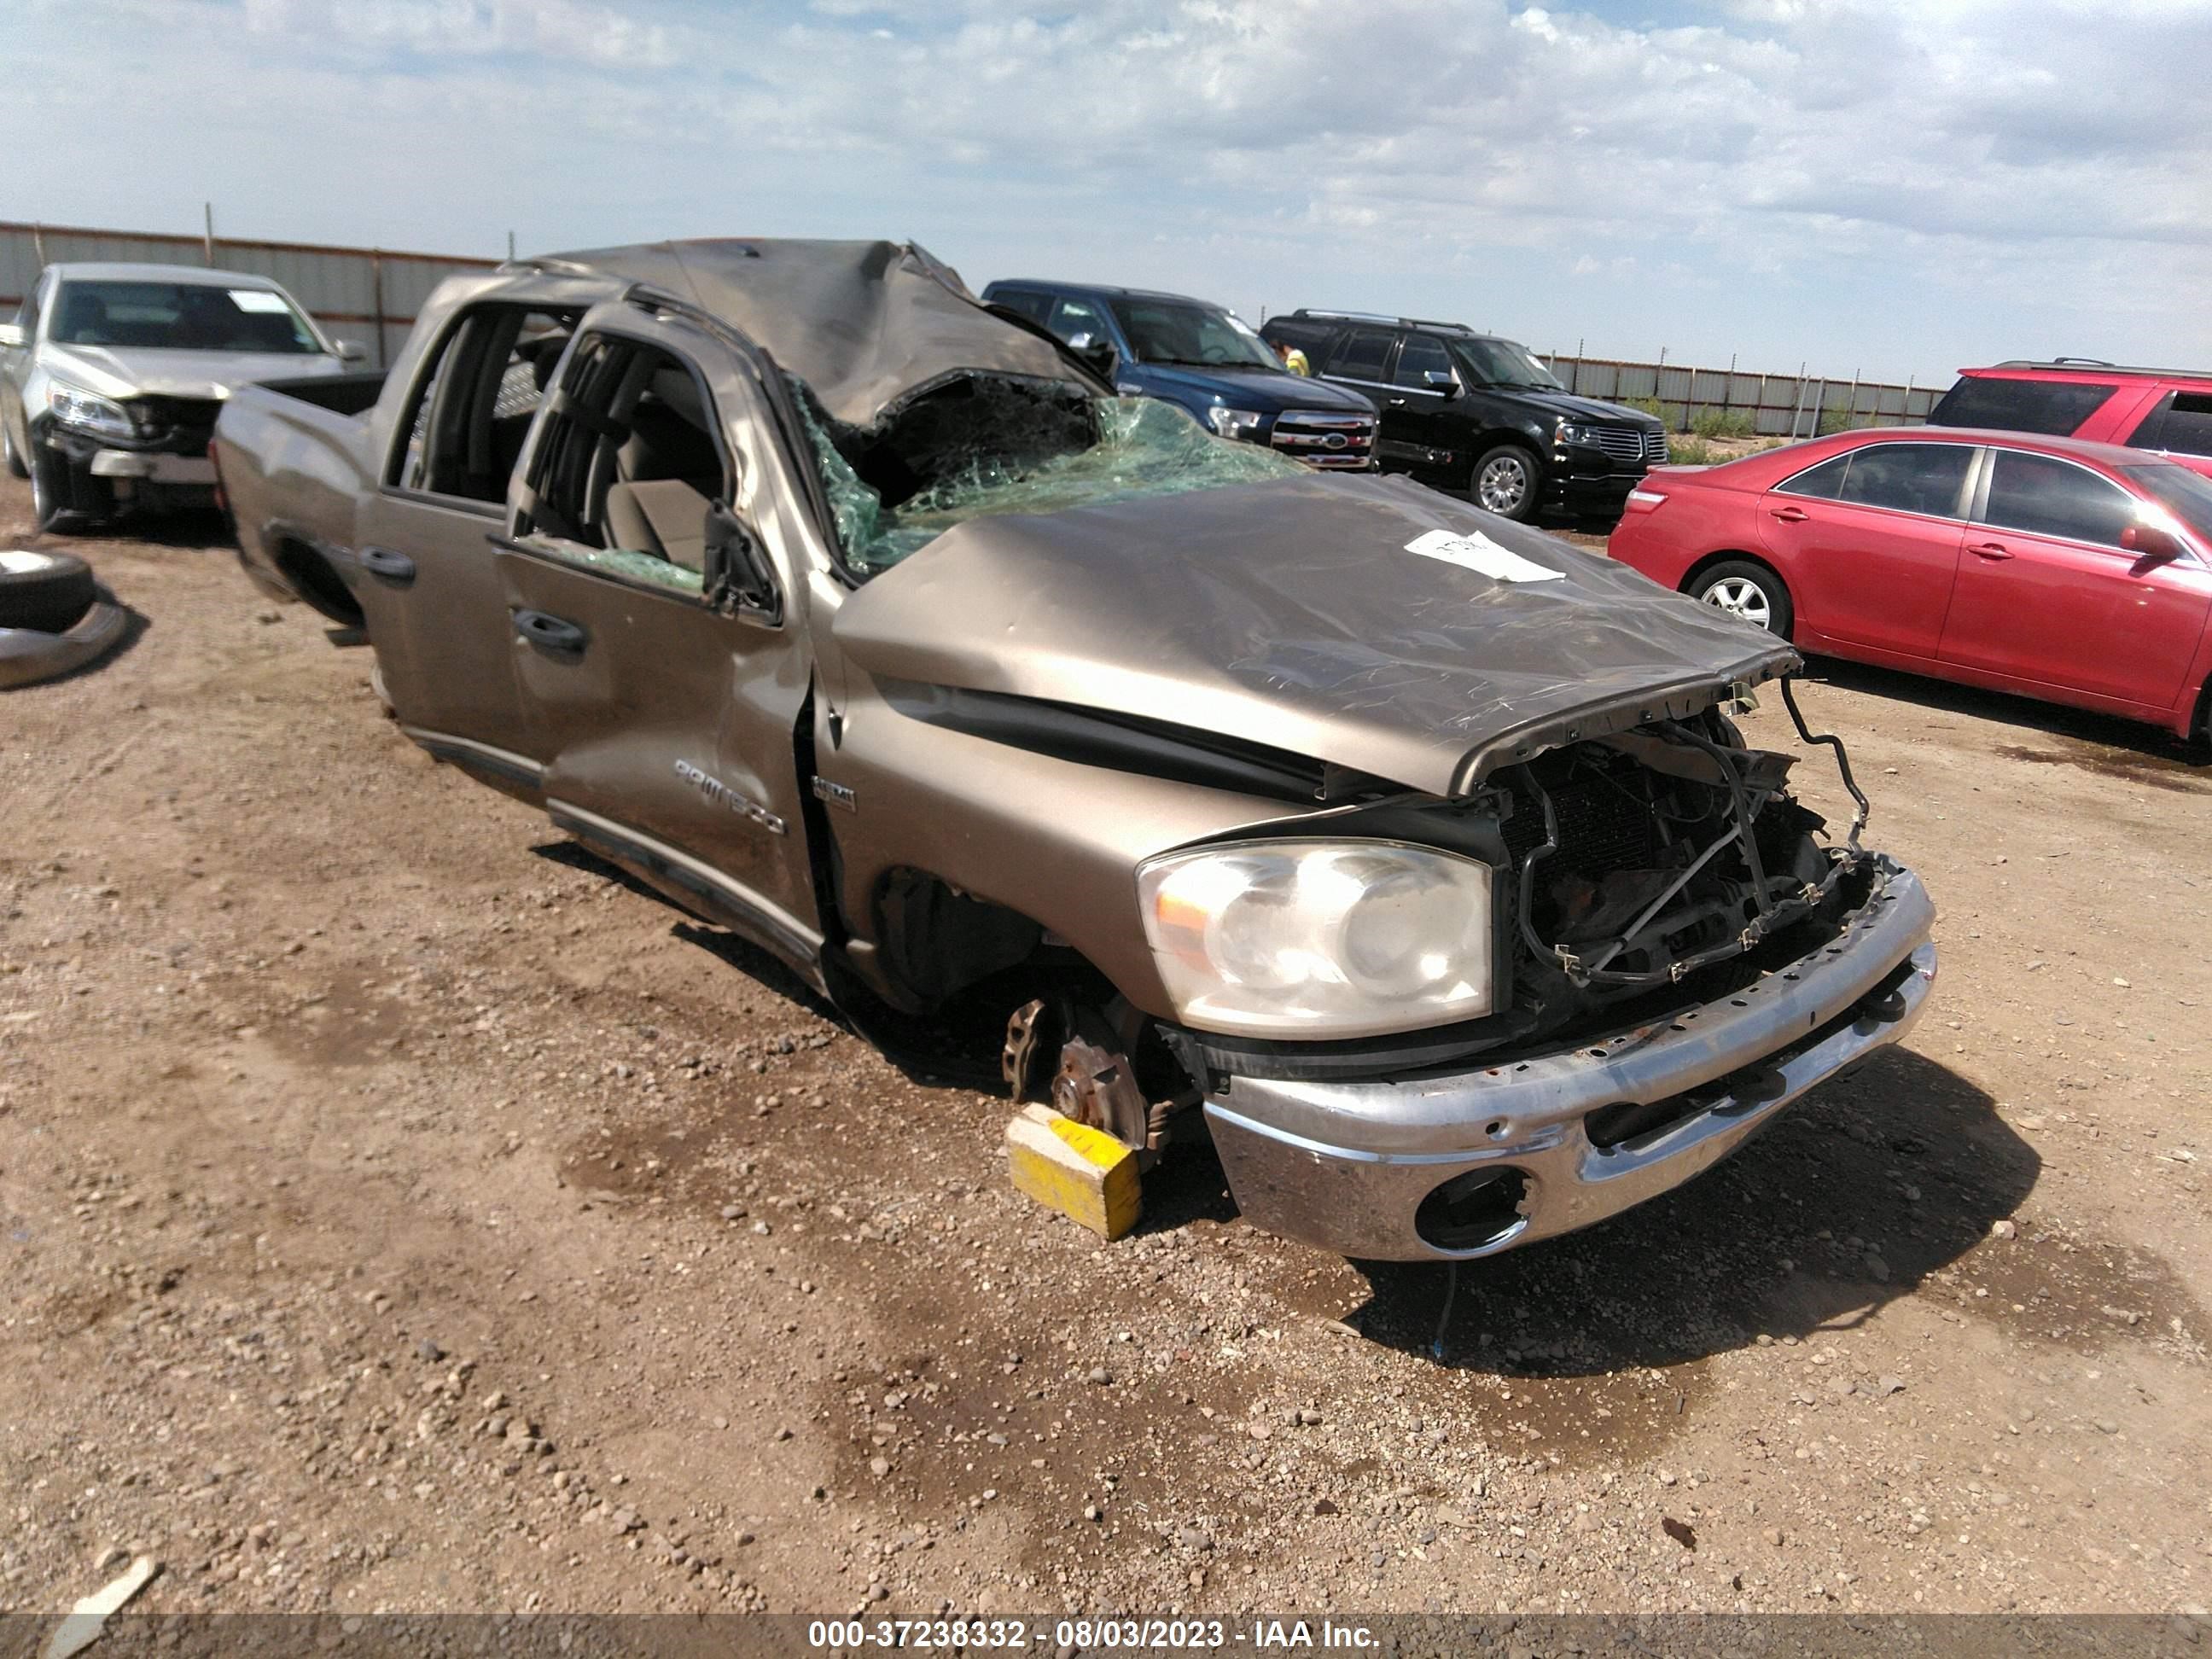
[(1643, 500)]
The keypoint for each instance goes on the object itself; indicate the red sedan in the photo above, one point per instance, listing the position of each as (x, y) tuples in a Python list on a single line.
[(2076, 572)]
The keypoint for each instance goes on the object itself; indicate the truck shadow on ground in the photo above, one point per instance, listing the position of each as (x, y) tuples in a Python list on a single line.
[(2102, 744), (1851, 1200), (947, 1052)]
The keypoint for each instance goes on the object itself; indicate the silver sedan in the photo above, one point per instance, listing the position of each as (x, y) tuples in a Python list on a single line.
[(112, 376)]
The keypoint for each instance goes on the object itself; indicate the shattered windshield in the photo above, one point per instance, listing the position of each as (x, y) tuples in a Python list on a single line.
[(1012, 450)]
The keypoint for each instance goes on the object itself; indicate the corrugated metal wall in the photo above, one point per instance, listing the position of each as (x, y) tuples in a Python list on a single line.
[(368, 294), (1778, 405)]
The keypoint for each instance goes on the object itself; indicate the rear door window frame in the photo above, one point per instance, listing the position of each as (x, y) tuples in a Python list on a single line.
[(1392, 339), (1971, 488), (433, 381)]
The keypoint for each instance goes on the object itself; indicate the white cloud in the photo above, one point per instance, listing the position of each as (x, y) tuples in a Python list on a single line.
[(1902, 161)]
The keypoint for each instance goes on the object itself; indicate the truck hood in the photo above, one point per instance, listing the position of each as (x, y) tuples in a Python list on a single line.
[(1584, 409), (1266, 391), (146, 371), (1293, 613)]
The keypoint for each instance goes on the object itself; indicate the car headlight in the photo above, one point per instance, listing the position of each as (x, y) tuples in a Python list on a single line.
[(1316, 938), (1235, 423), (87, 411), (1572, 434)]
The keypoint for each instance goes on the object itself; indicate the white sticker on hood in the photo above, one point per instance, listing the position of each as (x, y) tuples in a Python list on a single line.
[(1479, 553), (258, 299)]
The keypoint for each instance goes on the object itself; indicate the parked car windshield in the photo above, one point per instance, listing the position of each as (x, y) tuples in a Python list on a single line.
[(1176, 332), (2186, 495), (180, 317), (1506, 362)]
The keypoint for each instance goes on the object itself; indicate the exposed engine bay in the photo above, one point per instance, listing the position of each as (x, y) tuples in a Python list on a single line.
[(1640, 858)]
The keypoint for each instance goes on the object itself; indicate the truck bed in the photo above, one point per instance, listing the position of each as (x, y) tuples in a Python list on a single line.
[(341, 394), (294, 457)]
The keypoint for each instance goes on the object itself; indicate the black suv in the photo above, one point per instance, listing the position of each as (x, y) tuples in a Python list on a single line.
[(1476, 415)]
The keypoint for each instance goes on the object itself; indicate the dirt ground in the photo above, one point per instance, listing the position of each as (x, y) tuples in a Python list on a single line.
[(403, 1212)]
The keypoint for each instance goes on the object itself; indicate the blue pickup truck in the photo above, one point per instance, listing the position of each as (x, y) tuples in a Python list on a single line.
[(1206, 360)]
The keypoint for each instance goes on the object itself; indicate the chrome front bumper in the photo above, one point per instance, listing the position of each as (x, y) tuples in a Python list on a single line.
[(1345, 1166)]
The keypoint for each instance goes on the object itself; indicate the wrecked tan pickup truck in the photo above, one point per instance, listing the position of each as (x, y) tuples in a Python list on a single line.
[(1412, 848)]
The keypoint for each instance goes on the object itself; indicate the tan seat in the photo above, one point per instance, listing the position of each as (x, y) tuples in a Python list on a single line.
[(665, 516)]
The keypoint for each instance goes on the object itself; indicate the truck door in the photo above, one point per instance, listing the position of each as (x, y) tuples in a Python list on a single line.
[(658, 649), (428, 585)]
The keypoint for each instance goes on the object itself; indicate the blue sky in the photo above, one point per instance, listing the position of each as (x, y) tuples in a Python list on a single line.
[(1892, 186)]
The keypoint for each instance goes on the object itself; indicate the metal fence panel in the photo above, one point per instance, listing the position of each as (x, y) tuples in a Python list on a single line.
[(1776, 404), (368, 294)]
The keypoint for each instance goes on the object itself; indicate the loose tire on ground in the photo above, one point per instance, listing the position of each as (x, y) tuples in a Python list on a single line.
[(1508, 481), (1749, 591), (47, 592)]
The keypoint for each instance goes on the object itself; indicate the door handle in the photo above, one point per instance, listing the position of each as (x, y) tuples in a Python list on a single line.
[(549, 634), (395, 567), (1396, 403), (1791, 514), (1991, 551)]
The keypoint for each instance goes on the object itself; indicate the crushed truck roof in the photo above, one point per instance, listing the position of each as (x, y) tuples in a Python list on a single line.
[(867, 326)]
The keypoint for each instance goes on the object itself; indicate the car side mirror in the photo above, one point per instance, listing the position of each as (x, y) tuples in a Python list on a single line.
[(351, 351), (11, 334), (1442, 381), (737, 575), (2151, 544)]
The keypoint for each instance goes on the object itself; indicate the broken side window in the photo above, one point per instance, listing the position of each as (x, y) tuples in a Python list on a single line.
[(473, 404), (984, 446), (627, 466)]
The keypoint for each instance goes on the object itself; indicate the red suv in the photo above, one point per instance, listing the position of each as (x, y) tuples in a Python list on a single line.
[(2166, 410)]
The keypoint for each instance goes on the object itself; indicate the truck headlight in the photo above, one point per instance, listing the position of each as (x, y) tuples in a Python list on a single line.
[(87, 411), (1235, 423), (1316, 938)]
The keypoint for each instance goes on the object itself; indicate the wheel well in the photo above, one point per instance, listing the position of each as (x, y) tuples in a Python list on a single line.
[(1730, 556), (1507, 438), (936, 940), (2200, 726), (314, 579)]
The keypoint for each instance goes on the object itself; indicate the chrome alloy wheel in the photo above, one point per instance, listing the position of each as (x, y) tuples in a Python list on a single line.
[(1502, 484), (1740, 597)]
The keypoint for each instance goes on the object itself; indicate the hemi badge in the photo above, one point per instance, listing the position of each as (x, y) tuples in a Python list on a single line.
[(837, 794)]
